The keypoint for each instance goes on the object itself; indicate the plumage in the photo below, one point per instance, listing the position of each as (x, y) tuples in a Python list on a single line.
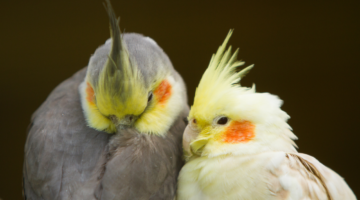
[(70, 152), (238, 144)]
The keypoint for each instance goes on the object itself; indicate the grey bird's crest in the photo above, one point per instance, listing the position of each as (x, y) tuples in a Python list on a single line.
[(119, 75)]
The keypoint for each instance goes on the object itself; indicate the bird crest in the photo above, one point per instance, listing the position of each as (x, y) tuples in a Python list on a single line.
[(120, 75), (220, 81), (117, 84)]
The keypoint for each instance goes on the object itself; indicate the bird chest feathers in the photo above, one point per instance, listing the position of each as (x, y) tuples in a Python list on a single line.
[(270, 175), (225, 177)]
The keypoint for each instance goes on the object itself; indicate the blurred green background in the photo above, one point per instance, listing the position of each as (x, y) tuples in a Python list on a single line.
[(306, 52)]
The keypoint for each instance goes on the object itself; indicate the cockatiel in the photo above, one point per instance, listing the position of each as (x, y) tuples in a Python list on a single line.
[(111, 131), (238, 144)]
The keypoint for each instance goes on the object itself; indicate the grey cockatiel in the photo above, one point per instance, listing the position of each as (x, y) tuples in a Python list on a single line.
[(111, 131)]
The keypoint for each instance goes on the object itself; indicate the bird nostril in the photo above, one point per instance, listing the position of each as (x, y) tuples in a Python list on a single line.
[(193, 125)]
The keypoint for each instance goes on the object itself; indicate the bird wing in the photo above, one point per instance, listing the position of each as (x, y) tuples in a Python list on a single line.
[(142, 166), (63, 156), (300, 176)]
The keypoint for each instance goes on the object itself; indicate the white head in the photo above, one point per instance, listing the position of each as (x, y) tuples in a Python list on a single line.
[(229, 119)]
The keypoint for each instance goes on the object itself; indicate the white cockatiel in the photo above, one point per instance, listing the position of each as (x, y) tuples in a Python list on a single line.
[(238, 145)]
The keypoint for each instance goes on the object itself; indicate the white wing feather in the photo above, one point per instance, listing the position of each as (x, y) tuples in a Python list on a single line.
[(301, 177)]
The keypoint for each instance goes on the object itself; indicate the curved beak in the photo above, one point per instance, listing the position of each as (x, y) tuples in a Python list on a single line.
[(189, 135), (193, 144), (198, 145)]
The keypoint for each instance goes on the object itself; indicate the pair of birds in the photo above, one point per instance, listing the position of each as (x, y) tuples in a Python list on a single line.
[(116, 130)]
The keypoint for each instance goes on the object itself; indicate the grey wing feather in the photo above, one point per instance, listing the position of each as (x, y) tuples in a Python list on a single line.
[(63, 156), (143, 166)]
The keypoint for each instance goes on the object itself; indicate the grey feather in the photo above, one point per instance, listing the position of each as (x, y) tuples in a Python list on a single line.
[(65, 159), (118, 69), (117, 48), (63, 156), (142, 166)]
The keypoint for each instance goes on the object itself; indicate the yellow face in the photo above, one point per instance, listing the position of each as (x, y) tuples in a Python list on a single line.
[(145, 107), (162, 110), (222, 130), (112, 111)]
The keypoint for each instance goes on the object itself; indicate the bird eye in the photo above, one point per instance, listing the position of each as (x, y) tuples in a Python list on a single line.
[(150, 96), (222, 121), (194, 121)]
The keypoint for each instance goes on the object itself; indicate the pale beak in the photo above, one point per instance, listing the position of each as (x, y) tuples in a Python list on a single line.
[(190, 134), (194, 144), (198, 145)]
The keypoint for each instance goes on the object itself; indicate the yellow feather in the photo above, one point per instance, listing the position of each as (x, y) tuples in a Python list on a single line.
[(218, 83), (158, 118)]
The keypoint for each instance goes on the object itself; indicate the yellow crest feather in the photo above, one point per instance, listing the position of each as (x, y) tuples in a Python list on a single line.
[(220, 80)]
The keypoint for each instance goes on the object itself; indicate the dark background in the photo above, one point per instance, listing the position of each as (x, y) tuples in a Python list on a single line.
[(306, 52)]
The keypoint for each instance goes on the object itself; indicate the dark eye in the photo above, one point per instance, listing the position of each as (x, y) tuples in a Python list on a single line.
[(222, 121), (150, 96), (194, 121)]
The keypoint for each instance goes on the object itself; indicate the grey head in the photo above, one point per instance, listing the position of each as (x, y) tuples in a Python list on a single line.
[(127, 79)]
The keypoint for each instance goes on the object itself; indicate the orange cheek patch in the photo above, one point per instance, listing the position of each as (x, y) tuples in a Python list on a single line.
[(239, 132), (163, 92), (89, 93)]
